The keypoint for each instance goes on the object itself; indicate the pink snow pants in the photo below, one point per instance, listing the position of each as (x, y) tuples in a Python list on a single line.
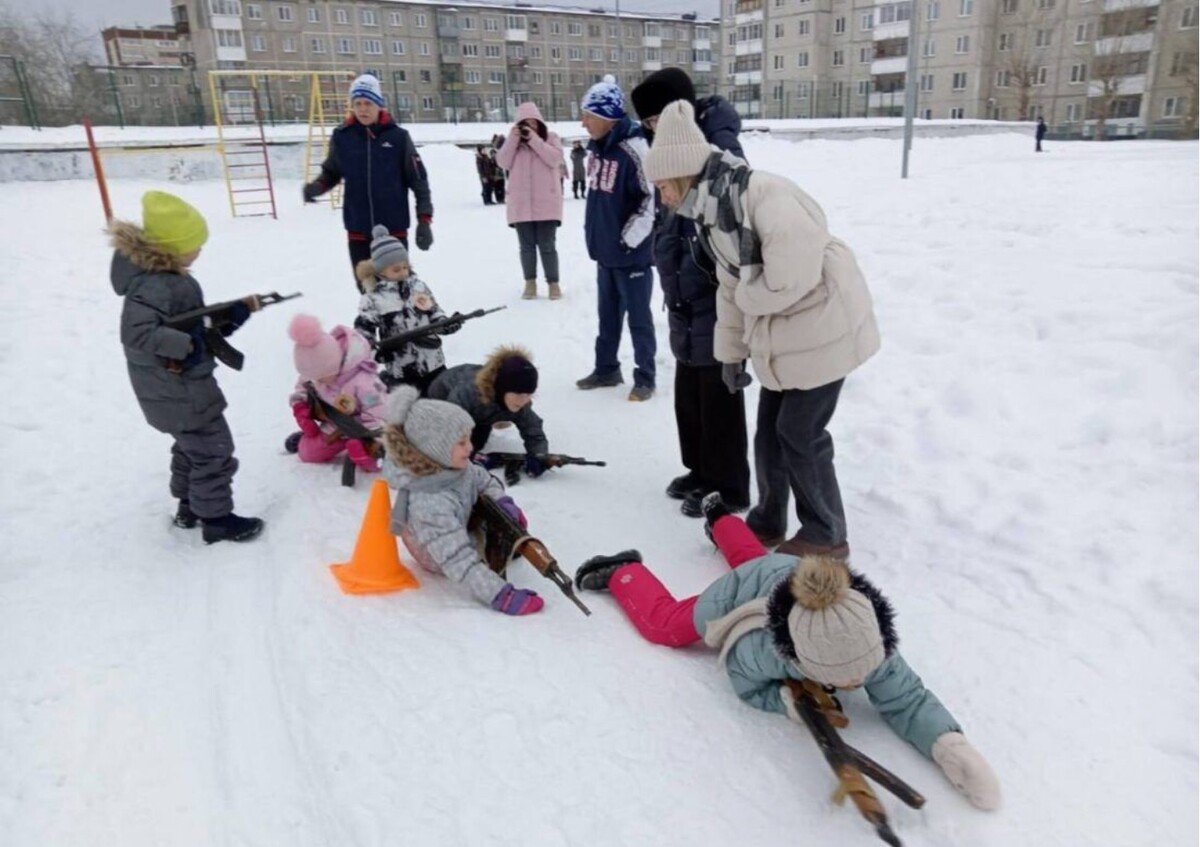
[(659, 617), (317, 450)]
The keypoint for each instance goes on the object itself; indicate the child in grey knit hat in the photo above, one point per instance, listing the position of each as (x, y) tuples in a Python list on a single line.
[(429, 463), (394, 300)]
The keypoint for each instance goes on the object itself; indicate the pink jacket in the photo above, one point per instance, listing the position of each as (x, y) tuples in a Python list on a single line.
[(534, 172), (358, 380)]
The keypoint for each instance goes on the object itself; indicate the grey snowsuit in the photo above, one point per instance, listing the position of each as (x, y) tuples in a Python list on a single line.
[(472, 387), (187, 406), (430, 515)]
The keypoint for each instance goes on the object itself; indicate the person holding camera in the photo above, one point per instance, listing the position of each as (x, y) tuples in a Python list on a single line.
[(533, 157)]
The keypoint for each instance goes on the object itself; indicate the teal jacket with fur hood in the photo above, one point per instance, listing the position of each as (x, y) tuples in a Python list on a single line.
[(745, 614)]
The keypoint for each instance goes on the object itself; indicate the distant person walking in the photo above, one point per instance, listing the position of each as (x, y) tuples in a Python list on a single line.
[(578, 170), (1041, 133)]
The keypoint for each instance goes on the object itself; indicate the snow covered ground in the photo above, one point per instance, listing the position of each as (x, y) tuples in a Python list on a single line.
[(1019, 465)]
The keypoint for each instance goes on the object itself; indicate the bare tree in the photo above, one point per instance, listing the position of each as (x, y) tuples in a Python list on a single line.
[(1021, 25), (51, 46)]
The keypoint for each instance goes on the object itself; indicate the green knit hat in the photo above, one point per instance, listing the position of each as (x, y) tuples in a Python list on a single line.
[(172, 224)]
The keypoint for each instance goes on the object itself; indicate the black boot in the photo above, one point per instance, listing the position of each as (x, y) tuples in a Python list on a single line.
[(231, 527), (686, 485), (292, 442), (185, 518), (594, 574), (693, 504)]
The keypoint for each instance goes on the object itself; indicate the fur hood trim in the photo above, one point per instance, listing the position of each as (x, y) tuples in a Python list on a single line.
[(402, 451), (130, 241), (364, 272), (781, 600), (485, 379)]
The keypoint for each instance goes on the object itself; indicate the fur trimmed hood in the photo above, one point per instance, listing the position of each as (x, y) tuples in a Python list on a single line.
[(485, 379), (364, 272), (781, 600), (130, 241)]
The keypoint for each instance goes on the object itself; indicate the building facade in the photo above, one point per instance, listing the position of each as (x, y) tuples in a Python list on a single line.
[(145, 95), (1128, 63), (441, 61), (156, 45)]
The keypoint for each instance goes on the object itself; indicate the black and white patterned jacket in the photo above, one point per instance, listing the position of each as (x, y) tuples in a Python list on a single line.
[(388, 307)]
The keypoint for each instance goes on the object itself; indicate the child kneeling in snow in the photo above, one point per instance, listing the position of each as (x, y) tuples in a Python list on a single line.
[(339, 366), (429, 463), (776, 617), (395, 300)]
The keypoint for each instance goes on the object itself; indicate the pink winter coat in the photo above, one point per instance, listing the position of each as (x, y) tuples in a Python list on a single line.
[(534, 172), (358, 380)]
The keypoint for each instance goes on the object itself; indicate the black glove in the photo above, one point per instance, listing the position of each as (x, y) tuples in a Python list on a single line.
[(424, 235), (199, 348), (534, 466), (429, 342), (450, 329), (312, 190), (735, 377), (239, 313)]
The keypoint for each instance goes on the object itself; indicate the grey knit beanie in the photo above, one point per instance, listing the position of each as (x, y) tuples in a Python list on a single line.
[(834, 628), (680, 148), (386, 250), (432, 426)]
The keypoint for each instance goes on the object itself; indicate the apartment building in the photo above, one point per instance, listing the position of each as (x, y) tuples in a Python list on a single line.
[(1131, 63), (156, 45), (142, 94), (441, 61)]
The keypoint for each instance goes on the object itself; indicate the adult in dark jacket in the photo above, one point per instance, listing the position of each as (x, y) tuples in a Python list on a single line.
[(498, 391), (485, 166), (379, 164), (578, 170), (1041, 133), (710, 420)]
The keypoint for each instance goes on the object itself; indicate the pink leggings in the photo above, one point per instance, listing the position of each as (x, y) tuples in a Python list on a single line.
[(317, 449), (659, 617)]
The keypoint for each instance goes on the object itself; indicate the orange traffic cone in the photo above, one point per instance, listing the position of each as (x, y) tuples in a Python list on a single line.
[(375, 567)]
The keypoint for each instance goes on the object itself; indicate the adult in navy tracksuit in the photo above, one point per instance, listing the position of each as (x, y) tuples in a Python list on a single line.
[(618, 223), (379, 163), (710, 419)]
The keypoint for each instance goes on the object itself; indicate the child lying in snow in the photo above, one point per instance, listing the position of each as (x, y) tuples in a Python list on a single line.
[(429, 463), (776, 618)]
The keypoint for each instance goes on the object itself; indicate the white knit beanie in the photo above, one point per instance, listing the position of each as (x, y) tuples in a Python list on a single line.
[(432, 426), (680, 148), (834, 628)]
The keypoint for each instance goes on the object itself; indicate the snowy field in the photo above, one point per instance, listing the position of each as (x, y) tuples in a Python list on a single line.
[(1019, 465)]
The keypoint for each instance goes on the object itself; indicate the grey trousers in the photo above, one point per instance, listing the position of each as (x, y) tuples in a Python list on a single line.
[(793, 452), (202, 468), (539, 237)]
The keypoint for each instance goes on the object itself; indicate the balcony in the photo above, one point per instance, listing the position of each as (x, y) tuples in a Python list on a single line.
[(448, 28), (1125, 85), (749, 18), (701, 44), (518, 35), (702, 67), (890, 65), (1122, 5), (651, 65), (748, 48), (748, 78), (652, 41), (1141, 42), (879, 99), (896, 29)]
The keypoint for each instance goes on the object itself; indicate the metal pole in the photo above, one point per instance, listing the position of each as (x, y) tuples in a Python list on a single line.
[(112, 84), (910, 84), (620, 43), (99, 169)]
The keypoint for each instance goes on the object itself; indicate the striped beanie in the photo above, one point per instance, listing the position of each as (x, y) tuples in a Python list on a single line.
[(368, 88), (605, 100)]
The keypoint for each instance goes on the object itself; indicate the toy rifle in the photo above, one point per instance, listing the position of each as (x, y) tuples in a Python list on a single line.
[(821, 712), (218, 322), (347, 426), (513, 462), (441, 325), (505, 539)]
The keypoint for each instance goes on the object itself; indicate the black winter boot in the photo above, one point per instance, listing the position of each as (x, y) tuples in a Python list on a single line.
[(231, 527), (292, 442), (693, 505), (683, 486), (185, 518), (594, 574)]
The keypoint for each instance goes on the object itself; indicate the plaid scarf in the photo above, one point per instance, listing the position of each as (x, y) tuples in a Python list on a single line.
[(720, 203)]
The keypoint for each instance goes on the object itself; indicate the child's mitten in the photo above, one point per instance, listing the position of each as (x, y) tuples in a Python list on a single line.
[(967, 770), (534, 466), (361, 456), (303, 415), (517, 601), (512, 510), (198, 349)]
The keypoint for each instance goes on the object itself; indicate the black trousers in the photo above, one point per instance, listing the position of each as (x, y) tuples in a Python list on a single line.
[(360, 250), (712, 431), (793, 453), (579, 188)]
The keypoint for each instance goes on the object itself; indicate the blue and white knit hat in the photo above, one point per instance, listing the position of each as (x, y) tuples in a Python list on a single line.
[(367, 87), (605, 100)]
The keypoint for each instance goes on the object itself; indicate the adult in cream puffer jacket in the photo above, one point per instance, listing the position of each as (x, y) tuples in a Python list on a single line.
[(793, 301)]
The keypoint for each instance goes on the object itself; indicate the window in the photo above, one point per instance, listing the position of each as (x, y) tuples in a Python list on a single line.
[(926, 82), (368, 17), (422, 20), (496, 77), (491, 24), (556, 53), (839, 26), (341, 16), (258, 44), (535, 52), (614, 56), (779, 30), (867, 21), (956, 114), (805, 26), (316, 45), (516, 51), (491, 51), (1188, 20), (960, 81), (574, 29), (701, 33), (372, 47), (516, 21), (395, 19), (1173, 107), (555, 28), (1045, 4), (1083, 33), (839, 58), (152, 80), (1180, 62), (314, 15), (802, 60), (535, 28), (1039, 77), (864, 87), (470, 49), (962, 45), (595, 54), (778, 63), (127, 80), (229, 38), (253, 12), (284, 13), (468, 23), (425, 76), (424, 48), (929, 48), (397, 48), (1003, 78), (1043, 38), (225, 7), (611, 30), (473, 77), (631, 56), (427, 103), (538, 78), (652, 30), (933, 11), (1008, 7), (1078, 73), (864, 55), (575, 54), (289, 45), (133, 102), (345, 46), (593, 30), (965, 7), (1072, 112), (1006, 42)]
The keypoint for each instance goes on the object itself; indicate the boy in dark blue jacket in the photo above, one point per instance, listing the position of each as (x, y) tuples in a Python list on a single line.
[(619, 220), (379, 163)]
